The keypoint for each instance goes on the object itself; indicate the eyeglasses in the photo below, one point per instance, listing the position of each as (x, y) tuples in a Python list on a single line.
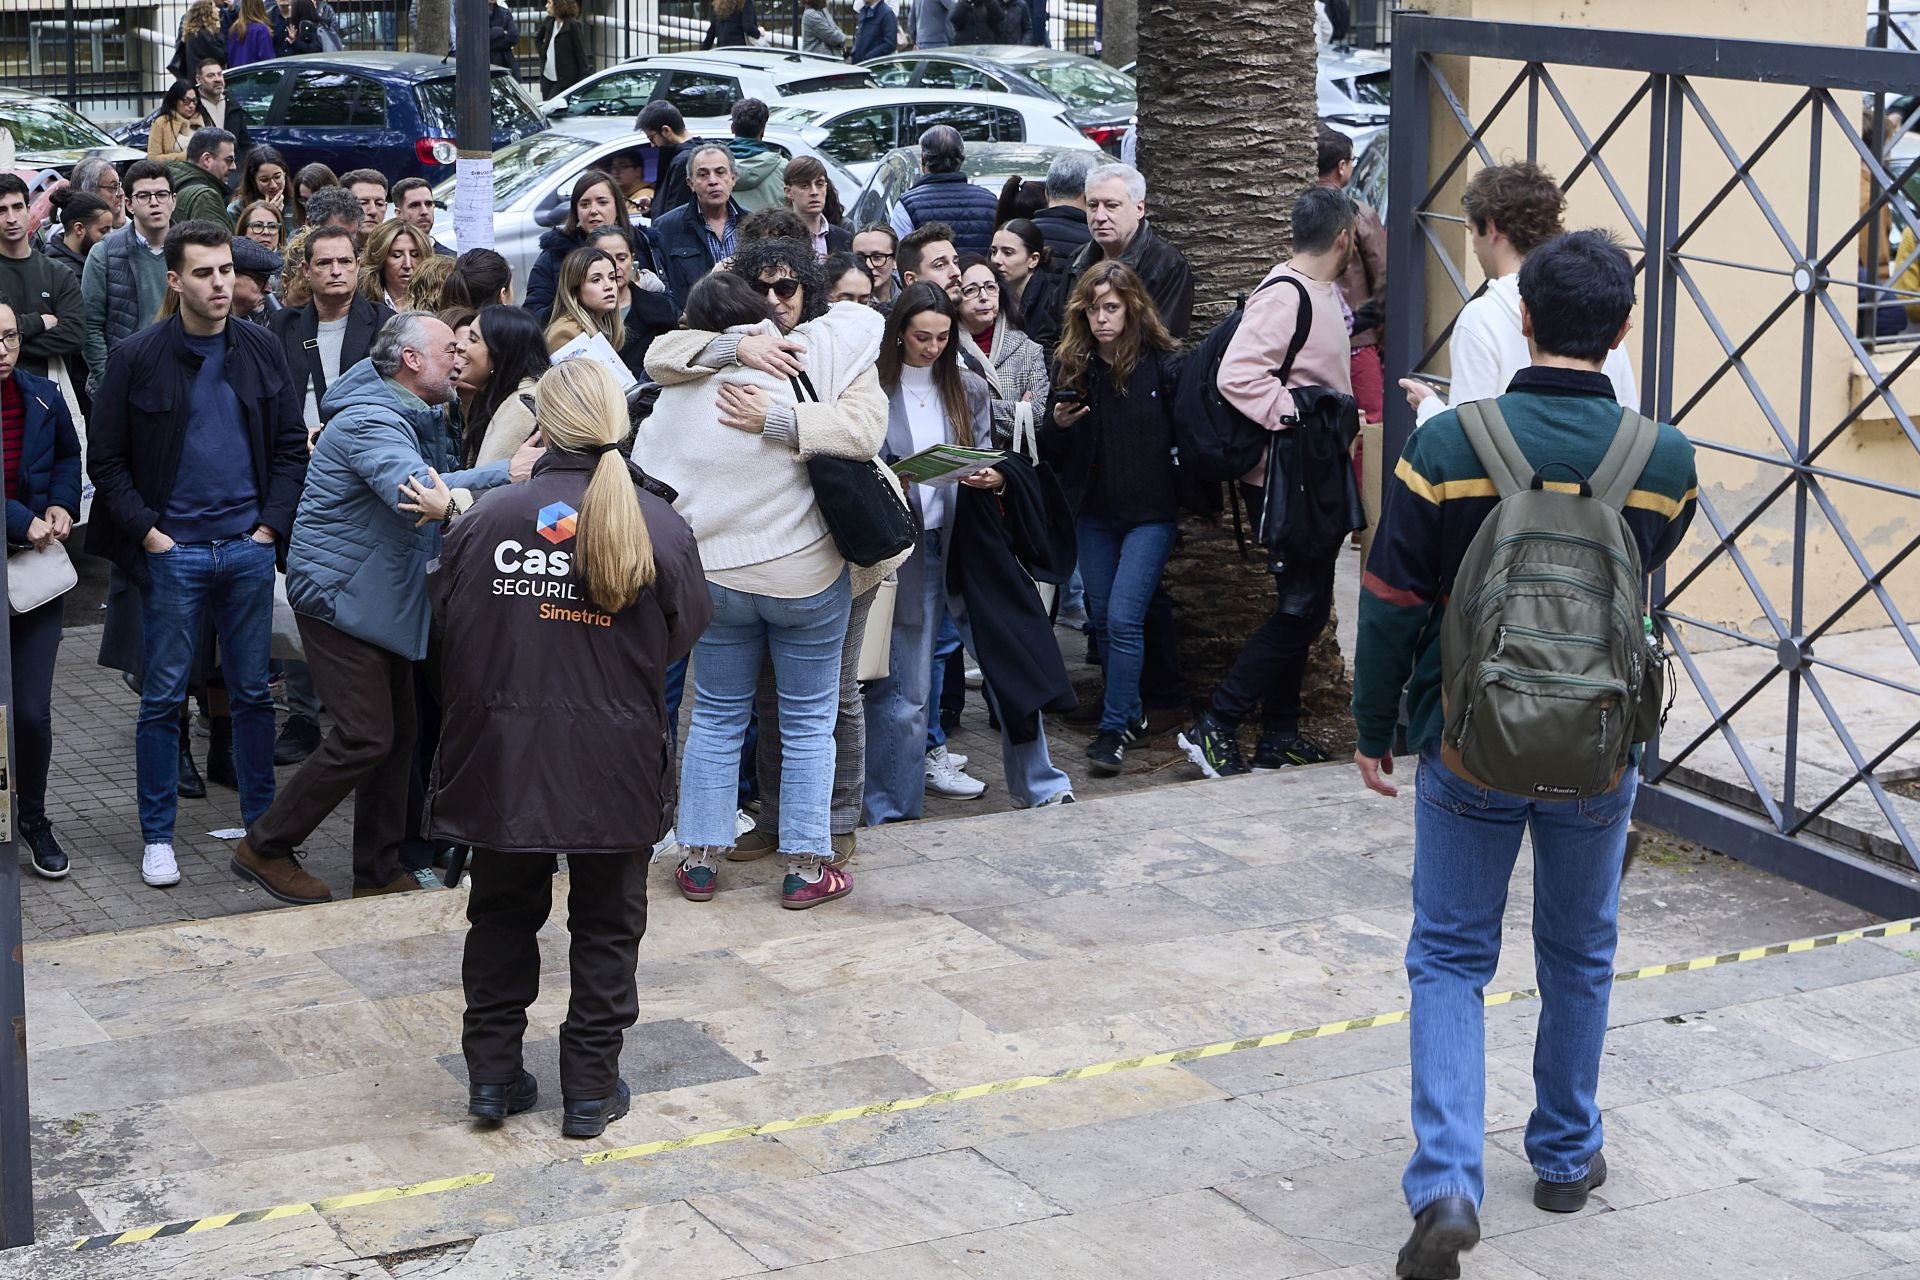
[(153, 197), (873, 258), (12, 339), (262, 226), (782, 289), (987, 290)]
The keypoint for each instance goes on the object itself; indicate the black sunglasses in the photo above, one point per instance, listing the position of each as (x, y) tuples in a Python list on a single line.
[(783, 288)]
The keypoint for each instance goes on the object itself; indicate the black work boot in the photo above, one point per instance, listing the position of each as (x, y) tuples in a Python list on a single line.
[(220, 753), (191, 786), (1442, 1232)]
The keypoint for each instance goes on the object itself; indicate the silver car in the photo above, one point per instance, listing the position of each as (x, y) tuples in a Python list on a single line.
[(987, 165), (533, 180), (704, 84)]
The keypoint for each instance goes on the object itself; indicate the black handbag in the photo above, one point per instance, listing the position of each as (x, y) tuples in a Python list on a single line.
[(864, 511)]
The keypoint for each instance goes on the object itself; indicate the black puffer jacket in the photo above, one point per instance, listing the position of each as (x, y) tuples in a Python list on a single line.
[(990, 22)]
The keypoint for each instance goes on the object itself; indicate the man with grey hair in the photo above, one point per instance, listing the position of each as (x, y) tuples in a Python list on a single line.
[(1064, 221), (200, 181), (98, 177), (377, 497), (944, 194), (1117, 218), (696, 236), (334, 207)]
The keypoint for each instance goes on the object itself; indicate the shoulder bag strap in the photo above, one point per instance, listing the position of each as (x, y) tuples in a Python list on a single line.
[(803, 388), (1626, 458), (1493, 444)]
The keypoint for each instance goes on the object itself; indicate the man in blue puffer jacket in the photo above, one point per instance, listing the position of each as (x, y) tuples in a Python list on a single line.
[(376, 500), (944, 194)]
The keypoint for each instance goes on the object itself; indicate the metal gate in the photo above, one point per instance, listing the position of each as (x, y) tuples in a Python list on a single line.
[(1763, 207)]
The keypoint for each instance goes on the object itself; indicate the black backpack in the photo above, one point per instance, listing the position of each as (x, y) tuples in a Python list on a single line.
[(1214, 440), (1312, 499)]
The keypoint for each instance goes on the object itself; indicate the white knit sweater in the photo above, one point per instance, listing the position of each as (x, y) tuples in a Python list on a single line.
[(747, 497)]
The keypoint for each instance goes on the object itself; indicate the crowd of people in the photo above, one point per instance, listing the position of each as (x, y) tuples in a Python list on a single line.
[(517, 523)]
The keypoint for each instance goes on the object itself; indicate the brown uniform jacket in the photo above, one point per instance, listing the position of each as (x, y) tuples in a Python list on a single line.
[(554, 733)]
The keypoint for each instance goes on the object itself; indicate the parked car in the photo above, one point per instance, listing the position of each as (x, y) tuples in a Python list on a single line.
[(1355, 90), (705, 84), (858, 127), (988, 165), (1099, 99), (393, 112), (533, 180), (48, 134)]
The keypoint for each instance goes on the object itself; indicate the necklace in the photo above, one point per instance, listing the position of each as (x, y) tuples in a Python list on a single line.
[(922, 401)]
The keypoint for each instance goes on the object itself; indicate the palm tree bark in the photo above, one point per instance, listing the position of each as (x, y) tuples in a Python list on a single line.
[(1227, 123)]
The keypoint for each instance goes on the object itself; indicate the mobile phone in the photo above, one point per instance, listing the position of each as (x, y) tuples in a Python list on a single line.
[(1066, 395)]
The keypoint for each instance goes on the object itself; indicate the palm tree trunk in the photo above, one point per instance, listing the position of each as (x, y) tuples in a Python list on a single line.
[(1227, 123)]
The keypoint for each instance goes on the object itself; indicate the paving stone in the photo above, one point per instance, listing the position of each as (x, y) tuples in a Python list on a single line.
[(658, 1242), (1192, 1233), (1676, 1146), (658, 1056), (55, 1020), (1871, 1199), (1361, 1115), (1118, 1161), (976, 1121), (1105, 865), (1305, 889), (1681, 1055), (1856, 1020), (1074, 923), (1732, 1231), (909, 1262), (237, 1252), (948, 885), (229, 1188), (564, 1191), (88, 1147), (858, 1021), (204, 996), (1865, 1103), (1735, 984), (323, 1111), (903, 951), (881, 1207), (977, 1057), (112, 1074), (784, 1095), (372, 1033)]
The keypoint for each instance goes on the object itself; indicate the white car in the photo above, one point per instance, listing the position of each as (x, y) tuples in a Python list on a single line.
[(857, 128), (988, 165), (704, 84), (533, 181)]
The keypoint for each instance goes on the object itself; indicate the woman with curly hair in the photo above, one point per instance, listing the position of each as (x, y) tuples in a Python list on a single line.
[(1111, 439), (392, 254), (200, 38)]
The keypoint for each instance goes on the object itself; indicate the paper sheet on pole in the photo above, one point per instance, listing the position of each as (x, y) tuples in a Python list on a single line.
[(473, 203)]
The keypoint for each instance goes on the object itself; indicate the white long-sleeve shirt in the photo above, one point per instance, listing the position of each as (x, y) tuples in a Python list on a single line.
[(1488, 348)]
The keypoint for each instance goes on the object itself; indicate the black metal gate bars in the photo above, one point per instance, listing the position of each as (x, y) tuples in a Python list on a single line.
[(1764, 208)]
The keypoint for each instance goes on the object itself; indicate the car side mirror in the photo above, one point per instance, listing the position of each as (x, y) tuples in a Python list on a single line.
[(551, 212), (557, 112)]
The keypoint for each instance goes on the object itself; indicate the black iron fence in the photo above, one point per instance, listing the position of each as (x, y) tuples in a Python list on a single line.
[(109, 60)]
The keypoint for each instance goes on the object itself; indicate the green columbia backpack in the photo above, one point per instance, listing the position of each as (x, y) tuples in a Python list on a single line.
[(1548, 674)]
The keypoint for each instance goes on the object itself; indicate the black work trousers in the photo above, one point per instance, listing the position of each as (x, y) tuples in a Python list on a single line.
[(1273, 663), (509, 900)]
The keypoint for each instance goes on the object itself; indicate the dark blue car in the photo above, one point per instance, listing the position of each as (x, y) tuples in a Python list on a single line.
[(394, 112)]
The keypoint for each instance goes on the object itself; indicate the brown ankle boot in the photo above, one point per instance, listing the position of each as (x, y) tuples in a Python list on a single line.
[(281, 877), (402, 883), (754, 845), (843, 849)]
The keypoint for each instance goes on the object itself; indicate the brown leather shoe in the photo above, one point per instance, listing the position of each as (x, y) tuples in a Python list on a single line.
[(842, 850), (405, 882), (281, 877), (754, 845)]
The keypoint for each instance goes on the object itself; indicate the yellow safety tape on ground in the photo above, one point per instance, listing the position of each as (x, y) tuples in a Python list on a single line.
[(1892, 929)]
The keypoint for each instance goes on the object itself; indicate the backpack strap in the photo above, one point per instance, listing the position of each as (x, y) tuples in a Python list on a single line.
[(1302, 325), (1486, 430), (1626, 458)]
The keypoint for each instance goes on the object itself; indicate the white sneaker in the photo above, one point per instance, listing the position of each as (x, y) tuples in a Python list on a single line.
[(955, 759), (945, 779), (158, 868)]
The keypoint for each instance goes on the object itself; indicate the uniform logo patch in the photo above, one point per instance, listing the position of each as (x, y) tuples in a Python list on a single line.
[(556, 522)]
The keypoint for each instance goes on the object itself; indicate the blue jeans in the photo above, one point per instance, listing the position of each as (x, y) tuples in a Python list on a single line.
[(1120, 564), (805, 637), (233, 578), (945, 645), (1466, 838), (676, 691), (898, 706)]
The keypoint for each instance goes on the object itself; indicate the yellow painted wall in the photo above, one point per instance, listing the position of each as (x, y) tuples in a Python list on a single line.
[(1736, 232)]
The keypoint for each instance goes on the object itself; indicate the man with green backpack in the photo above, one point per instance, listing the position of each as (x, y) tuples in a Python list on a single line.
[(1505, 593)]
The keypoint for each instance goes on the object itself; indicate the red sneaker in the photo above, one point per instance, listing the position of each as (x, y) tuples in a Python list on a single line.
[(798, 893)]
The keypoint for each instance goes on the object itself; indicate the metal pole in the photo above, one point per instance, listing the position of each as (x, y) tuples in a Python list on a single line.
[(473, 169), (73, 56), (16, 1154)]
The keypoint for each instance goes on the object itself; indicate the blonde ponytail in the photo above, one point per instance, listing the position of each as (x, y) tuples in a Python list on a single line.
[(580, 410)]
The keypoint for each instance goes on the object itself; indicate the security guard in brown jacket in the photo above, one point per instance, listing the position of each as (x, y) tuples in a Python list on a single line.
[(563, 600)]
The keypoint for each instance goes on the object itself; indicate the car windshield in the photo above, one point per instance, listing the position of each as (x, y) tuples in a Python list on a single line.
[(861, 79), (519, 165), (49, 126), (1083, 82), (1375, 90), (508, 107)]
